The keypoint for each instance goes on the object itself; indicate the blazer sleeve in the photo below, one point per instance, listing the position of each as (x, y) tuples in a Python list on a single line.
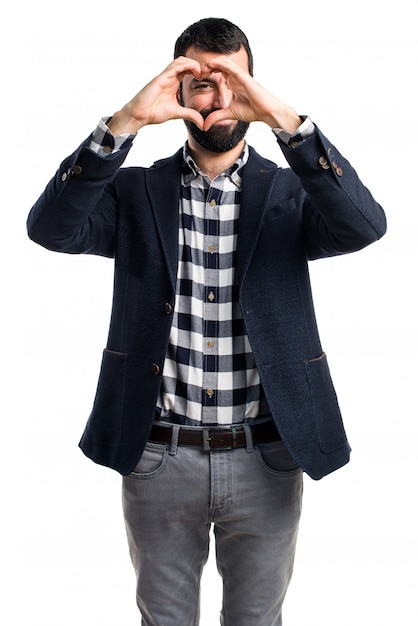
[(77, 211), (340, 214)]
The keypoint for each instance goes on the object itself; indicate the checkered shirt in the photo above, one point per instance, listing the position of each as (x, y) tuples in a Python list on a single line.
[(209, 375)]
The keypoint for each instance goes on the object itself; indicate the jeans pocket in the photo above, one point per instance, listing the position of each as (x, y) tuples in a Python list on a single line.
[(275, 458), (152, 461)]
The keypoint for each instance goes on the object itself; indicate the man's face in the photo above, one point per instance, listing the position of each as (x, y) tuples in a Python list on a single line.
[(211, 94)]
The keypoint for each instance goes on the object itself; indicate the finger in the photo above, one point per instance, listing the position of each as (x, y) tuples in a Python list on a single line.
[(192, 116), (218, 116), (183, 65), (174, 74), (224, 64)]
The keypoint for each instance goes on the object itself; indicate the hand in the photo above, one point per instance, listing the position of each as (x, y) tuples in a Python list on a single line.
[(158, 101), (250, 102)]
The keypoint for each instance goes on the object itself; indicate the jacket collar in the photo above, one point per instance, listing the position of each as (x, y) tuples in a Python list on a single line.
[(163, 187), (257, 179)]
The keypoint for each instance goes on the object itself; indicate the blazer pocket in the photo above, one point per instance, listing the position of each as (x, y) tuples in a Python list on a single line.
[(279, 210), (329, 424), (106, 419)]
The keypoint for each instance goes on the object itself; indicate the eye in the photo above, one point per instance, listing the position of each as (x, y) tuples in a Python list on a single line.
[(202, 86)]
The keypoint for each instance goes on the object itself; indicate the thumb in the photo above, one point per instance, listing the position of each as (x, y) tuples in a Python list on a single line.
[(192, 116), (218, 116)]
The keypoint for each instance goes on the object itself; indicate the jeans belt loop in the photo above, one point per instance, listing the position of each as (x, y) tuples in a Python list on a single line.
[(249, 437), (234, 437), (174, 439), (206, 439)]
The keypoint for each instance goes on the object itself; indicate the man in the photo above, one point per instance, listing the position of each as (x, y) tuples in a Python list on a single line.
[(214, 394)]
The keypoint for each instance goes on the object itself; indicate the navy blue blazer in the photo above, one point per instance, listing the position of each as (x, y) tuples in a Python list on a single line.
[(316, 208)]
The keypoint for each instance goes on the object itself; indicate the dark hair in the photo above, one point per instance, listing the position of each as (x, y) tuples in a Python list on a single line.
[(214, 34)]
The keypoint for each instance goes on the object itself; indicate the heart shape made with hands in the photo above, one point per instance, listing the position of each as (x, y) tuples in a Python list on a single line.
[(226, 76)]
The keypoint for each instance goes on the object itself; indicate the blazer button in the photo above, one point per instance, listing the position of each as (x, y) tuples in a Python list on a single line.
[(77, 169), (155, 369), (323, 162), (168, 308)]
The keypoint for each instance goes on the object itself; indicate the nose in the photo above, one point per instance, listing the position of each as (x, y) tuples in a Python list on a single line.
[(223, 96)]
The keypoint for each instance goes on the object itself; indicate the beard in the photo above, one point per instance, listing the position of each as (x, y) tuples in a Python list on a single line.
[(218, 138)]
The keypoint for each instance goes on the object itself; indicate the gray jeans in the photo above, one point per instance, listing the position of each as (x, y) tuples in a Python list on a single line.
[(253, 498)]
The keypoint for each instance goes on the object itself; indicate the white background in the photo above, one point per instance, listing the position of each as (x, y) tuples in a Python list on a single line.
[(352, 67)]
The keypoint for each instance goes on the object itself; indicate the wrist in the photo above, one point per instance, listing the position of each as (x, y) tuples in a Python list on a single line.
[(123, 123), (288, 120)]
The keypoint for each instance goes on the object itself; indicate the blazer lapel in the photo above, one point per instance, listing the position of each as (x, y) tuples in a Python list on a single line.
[(163, 186), (257, 179)]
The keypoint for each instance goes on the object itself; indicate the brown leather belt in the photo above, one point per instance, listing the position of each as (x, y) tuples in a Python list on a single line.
[(217, 438)]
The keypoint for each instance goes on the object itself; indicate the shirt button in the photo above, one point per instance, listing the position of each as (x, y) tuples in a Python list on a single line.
[(210, 392), (211, 296), (107, 149), (211, 248), (211, 343), (212, 203)]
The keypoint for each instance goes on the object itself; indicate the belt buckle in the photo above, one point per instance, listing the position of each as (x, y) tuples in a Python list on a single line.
[(207, 438)]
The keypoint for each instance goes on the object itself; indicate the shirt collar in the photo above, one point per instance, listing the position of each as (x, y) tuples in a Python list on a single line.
[(191, 170)]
